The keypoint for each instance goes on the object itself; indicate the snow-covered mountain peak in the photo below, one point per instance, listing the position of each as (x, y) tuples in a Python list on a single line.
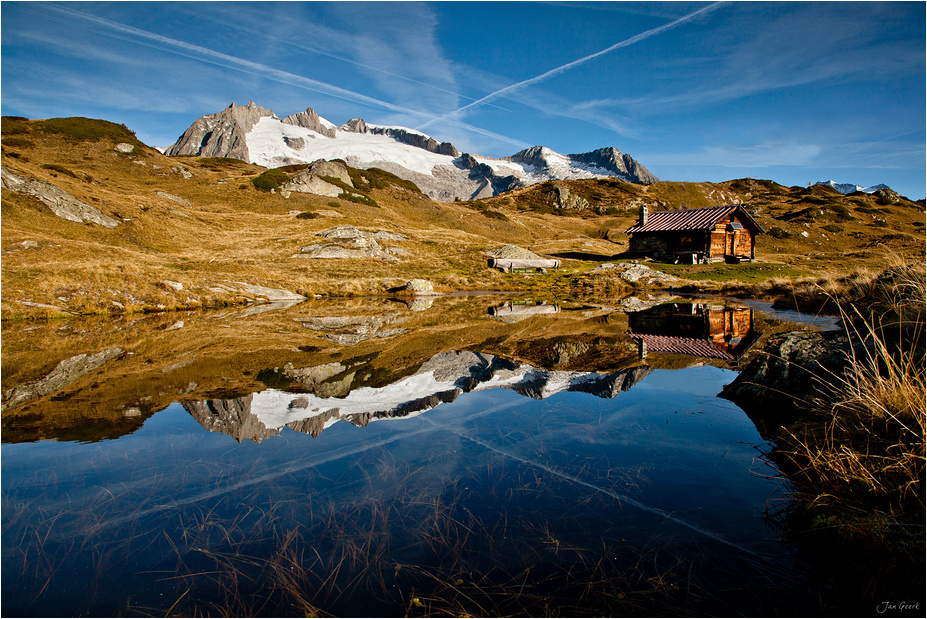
[(847, 188), (256, 135)]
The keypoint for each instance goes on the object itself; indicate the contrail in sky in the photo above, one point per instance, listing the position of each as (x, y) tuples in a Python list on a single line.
[(203, 54), (566, 67)]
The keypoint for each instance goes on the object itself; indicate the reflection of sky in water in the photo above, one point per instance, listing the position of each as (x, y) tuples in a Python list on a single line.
[(664, 461)]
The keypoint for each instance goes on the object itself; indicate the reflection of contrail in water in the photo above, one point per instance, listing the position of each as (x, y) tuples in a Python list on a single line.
[(615, 495), (268, 477), (566, 67)]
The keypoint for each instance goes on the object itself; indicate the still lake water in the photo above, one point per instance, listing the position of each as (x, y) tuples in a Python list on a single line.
[(469, 484)]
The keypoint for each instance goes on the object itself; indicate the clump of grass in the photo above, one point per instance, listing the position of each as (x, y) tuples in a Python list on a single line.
[(870, 448), (858, 459)]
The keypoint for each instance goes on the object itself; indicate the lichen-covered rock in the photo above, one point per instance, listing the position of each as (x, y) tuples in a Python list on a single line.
[(420, 288), (124, 147), (310, 183), (635, 273)]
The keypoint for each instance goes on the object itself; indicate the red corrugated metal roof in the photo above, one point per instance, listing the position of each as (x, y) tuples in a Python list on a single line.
[(681, 346), (689, 219)]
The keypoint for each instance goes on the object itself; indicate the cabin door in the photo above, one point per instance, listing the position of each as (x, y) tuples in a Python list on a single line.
[(731, 249)]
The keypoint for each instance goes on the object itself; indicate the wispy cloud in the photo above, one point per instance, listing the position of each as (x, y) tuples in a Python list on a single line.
[(396, 62), (575, 63), (203, 54), (795, 45)]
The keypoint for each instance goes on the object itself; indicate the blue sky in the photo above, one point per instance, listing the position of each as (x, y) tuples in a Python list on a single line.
[(793, 92)]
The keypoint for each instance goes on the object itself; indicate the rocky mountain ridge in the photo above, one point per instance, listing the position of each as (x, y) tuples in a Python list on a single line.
[(255, 135)]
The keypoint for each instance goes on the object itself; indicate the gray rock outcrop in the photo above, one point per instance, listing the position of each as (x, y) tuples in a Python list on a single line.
[(309, 120), (312, 179), (623, 165), (222, 134), (60, 202), (561, 197), (305, 182), (355, 125), (257, 293), (791, 369), (635, 273), (346, 242), (412, 138)]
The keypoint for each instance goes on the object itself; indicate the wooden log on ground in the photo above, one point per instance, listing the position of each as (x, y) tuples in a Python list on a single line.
[(508, 264)]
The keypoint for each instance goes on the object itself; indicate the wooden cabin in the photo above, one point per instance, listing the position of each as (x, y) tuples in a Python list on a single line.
[(710, 234)]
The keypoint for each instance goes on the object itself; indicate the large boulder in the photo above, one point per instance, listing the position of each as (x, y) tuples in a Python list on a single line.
[(420, 288), (791, 371)]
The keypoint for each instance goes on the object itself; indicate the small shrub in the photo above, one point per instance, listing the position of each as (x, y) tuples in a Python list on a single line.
[(880, 223), (832, 228), (359, 199), (270, 179), (60, 169), (17, 142), (296, 167), (388, 177), (495, 215), (308, 215), (842, 211), (334, 204), (218, 163), (780, 233)]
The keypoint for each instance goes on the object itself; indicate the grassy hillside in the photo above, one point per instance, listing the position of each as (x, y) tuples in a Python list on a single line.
[(204, 221)]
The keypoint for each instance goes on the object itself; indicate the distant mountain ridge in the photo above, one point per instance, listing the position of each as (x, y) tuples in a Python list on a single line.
[(847, 188), (256, 135)]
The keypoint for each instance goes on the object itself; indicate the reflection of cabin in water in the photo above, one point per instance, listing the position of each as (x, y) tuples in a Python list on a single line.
[(711, 234), (694, 329)]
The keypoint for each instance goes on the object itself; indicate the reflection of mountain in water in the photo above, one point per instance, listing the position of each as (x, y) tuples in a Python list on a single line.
[(440, 379), (694, 329)]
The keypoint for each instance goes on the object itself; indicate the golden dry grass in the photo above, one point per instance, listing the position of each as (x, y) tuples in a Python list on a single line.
[(223, 229)]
